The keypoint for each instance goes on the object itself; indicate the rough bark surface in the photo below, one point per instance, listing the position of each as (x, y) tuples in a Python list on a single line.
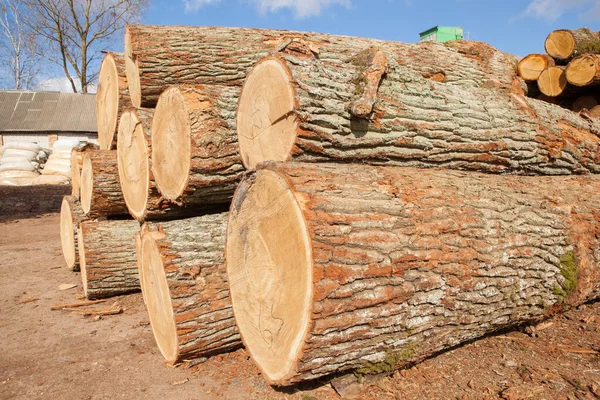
[(192, 251), (162, 56), (418, 122), (71, 216), (215, 167), (107, 252), (112, 99), (409, 262), (106, 197)]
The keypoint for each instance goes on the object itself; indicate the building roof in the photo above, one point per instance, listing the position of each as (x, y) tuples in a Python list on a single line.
[(27, 111), (438, 27)]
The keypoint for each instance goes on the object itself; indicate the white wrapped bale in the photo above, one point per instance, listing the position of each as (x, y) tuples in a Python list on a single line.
[(23, 165), (26, 154)]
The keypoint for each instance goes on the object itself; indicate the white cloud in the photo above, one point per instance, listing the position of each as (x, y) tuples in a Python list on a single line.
[(62, 85), (300, 8), (551, 10), (194, 5)]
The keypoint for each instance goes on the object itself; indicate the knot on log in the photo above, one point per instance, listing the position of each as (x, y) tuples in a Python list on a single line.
[(375, 66), (298, 45)]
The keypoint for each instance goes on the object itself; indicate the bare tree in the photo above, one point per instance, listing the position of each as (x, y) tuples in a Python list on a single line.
[(17, 46), (75, 31)]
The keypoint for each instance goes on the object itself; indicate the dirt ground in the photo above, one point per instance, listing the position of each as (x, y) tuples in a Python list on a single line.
[(48, 354)]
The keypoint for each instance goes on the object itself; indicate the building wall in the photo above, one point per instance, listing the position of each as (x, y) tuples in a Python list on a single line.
[(443, 34)]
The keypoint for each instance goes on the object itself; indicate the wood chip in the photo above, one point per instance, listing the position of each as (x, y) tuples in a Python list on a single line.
[(180, 382), (75, 305), (67, 286), (28, 300), (112, 310)]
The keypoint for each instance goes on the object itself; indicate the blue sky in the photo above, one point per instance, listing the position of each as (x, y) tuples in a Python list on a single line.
[(514, 26)]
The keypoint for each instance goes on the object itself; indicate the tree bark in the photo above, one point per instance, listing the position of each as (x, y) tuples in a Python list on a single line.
[(71, 215), (101, 194), (338, 267), (107, 256), (158, 57), (195, 157), (564, 44), (531, 66), (292, 108), (184, 281), (584, 70), (112, 98)]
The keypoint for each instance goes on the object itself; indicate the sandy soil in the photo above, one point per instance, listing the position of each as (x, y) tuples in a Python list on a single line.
[(61, 355)]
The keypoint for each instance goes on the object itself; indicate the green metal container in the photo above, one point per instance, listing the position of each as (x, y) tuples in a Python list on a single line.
[(442, 34)]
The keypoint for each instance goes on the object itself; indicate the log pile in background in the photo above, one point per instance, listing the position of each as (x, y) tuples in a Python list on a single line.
[(334, 264), (569, 73)]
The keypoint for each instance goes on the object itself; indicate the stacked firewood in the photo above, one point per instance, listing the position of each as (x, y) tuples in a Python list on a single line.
[(332, 203), (569, 74)]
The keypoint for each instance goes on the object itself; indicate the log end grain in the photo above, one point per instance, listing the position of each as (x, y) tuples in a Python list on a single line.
[(86, 184), (107, 102), (68, 223), (531, 66), (560, 44), (133, 163), (171, 147), (267, 248), (159, 304), (583, 70), (132, 72), (552, 81), (267, 126)]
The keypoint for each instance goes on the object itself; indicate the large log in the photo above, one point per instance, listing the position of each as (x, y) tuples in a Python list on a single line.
[(584, 70), (112, 98), (195, 158), (531, 66), (159, 56), (107, 255), (71, 215), (340, 266), (101, 193), (302, 108), (565, 44), (77, 155), (184, 282)]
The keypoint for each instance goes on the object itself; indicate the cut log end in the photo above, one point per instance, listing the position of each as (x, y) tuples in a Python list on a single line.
[(107, 102), (159, 305), (132, 72), (67, 234), (560, 44), (86, 184), (267, 126), (552, 81), (82, 264), (171, 147), (531, 67), (262, 259), (76, 159), (132, 158), (585, 102), (584, 70)]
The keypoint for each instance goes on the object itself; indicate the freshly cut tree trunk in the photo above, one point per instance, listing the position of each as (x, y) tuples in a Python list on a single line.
[(101, 193), (159, 56), (343, 266), (531, 66), (184, 282), (587, 102), (195, 158), (584, 70), (138, 259), (553, 81), (564, 44), (112, 98), (71, 215), (107, 257), (300, 109)]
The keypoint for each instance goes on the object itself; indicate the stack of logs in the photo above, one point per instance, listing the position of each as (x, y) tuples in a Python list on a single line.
[(569, 74), (377, 202)]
